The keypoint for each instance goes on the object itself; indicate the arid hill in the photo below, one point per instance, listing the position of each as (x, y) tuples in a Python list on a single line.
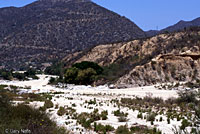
[(47, 30), (164, 58)]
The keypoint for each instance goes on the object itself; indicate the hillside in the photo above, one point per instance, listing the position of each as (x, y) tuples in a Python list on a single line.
[(164, 58), (48, 30), (176, 27)]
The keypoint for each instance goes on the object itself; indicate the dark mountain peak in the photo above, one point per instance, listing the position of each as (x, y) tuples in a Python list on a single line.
[(176, 27), (181, 21), (48, 30), (196, 20), (75, 1)]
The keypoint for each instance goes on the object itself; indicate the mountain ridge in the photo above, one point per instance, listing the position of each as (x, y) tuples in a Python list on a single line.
[(170, 57), (55, 29), (176, 27)]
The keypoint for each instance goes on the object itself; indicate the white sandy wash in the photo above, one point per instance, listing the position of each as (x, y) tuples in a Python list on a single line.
[(79, 94)]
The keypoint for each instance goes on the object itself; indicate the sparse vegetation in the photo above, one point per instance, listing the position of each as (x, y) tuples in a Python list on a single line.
[(9, 75), (123, 130), (22, 116), (99, 128), (61, 111)]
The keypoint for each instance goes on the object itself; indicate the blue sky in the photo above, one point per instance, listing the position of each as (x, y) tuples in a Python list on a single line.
[(147, 14)]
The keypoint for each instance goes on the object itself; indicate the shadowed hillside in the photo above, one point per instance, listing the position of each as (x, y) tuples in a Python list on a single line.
[(48, 30)]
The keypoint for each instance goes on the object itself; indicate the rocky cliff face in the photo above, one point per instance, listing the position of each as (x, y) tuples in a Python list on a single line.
[(48, 30), (167, 68), (163, 58)]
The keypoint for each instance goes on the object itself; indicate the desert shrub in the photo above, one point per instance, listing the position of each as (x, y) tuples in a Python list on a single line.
[(84, 120), (168, 120), (31, 73), (3, 87), (140, 116), (48, 104), (52, 80), (109, 128), (61, 111), (19, 76), (151, 117), (102, 128), (104, 115), (122, 130), (36, 97), (25, 117), (197, 115), (122, 119), (161, 119), (185, 123), (135, 129), (144, 130), (7, 75), (92, 102), (73, 105), (187, 97), (118, 113)]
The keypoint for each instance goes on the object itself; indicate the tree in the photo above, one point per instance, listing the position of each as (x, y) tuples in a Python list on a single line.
[(55, 69), (30, 72), (19, 76), (86, 76), (71, 75), (87, 64), (6, 75), (52, 80)]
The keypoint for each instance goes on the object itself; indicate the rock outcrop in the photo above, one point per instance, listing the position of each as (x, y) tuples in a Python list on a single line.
[(163, 58), (166, 68)]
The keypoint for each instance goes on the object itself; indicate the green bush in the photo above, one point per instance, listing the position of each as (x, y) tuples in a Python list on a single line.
[(168, 120), (185, 123), (144, 130), (76, 76), (52, 80), (71, 75), (84, 120), (122, 130), (104, 115), (86, 76), (118, 113), (187, 97), (151, 117), (56, 69), (122, 119), (61, 111), (92, 102), (140, 116), (19, 76), (7, 75), (48, 104), (25, 117), (87, 64), (102, 128), (161, 119)]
